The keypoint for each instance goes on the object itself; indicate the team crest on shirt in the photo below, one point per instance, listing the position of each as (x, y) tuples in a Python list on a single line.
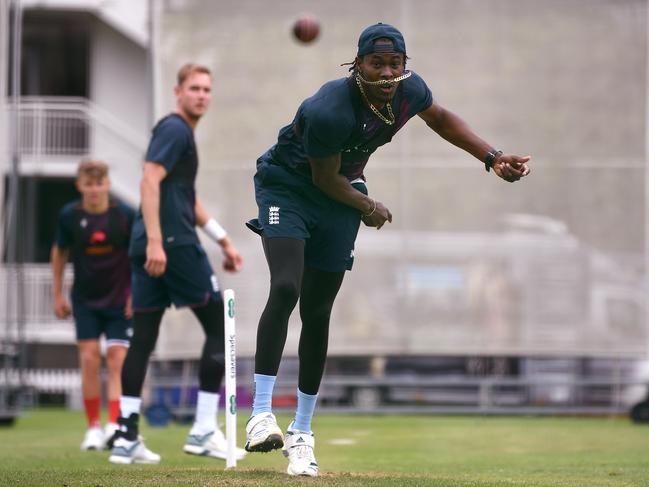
[(97, 237), (273, 215), (83, 223)]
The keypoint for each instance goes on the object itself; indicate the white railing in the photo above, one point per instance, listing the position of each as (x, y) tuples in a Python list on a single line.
[(65, 129), (27, 305), (54, 127), (43, 380)]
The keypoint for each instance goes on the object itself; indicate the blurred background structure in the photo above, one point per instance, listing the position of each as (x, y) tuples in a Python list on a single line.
[(481, 296)]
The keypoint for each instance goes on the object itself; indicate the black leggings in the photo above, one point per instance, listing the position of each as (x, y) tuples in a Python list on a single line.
[(146, 326), (317, 290)]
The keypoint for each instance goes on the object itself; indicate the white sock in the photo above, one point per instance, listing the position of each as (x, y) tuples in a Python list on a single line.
[(207, 406), (129, 405)]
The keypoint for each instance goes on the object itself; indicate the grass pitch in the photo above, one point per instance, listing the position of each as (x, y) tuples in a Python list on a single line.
[(42, 449)]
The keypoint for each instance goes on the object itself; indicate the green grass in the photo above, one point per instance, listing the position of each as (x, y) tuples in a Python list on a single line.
[(42, 449)]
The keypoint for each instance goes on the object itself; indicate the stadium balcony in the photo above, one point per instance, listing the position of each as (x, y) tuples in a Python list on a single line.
[(55, 132)]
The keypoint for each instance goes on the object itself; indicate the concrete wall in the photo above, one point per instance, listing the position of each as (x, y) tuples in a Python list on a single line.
[(119, 87), (118, 77)]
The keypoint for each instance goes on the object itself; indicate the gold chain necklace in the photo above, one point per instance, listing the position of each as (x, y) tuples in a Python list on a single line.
[(383, 82), (389, 121)]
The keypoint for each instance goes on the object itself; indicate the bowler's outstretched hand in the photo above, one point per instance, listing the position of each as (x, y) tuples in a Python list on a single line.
[(511, 168)]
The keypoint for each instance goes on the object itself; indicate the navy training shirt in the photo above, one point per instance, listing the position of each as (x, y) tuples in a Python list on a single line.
[(172, 145), (98, 245), (336, 120)]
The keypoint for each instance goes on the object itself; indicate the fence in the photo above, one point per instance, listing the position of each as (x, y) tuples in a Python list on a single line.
[(28, 311)]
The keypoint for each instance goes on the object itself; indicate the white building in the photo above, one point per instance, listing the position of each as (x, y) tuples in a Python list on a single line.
[(84, 92)]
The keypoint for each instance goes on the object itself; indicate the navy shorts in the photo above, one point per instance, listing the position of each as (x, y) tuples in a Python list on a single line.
[(188, 280), (291, 206), (91, 323)]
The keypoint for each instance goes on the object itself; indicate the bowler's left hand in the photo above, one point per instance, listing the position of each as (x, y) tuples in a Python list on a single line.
[(511, 168)]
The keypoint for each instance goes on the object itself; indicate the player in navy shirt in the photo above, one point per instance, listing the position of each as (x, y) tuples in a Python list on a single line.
[(94, 232), (171, 267), (311, 193)]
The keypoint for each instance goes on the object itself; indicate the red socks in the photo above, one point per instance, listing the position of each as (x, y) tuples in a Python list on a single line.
[(92, 411), (113, 410)]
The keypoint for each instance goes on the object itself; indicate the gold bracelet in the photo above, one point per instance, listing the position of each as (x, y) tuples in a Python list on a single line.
[(373, 208)]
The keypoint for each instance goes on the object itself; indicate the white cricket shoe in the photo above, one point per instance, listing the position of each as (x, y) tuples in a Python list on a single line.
[(128, 452), (298, 448), (109, 435), (93, 440), (263, 434), (212, 444)]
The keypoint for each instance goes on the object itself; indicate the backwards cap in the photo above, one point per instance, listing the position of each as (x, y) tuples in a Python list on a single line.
[(377, 31)]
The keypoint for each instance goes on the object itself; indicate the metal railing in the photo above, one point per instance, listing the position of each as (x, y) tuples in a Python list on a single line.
[(487, 395), (58, 129), (429, 395), (26, 292), (54, 127)]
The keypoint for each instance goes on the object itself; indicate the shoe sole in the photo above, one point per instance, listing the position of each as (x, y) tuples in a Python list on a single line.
[(272, 442), (300, 473), (202, 452), (119, 460), (195, 450)]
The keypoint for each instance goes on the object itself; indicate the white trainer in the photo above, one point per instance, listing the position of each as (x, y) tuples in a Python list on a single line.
[(263, 434), (93, 439), (128, 452), (109, 435), (212, 444), (298, 448)]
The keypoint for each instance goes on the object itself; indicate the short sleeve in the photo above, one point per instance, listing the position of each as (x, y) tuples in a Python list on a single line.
[(64, 236), (323, 135), (168, 144), (418, 94)]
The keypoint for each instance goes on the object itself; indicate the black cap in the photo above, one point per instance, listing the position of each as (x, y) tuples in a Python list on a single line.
[(378, 31)]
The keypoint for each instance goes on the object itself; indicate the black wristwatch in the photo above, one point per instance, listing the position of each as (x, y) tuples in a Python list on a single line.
[(490, 158)]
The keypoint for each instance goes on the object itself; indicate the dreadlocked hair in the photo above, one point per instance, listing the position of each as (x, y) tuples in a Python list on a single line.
[(352, 65)]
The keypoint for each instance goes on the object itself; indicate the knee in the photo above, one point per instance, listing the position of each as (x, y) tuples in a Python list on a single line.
[(115, 358), (90, 359), (212, 365), (317, 314), (214, 350), (285, 291)]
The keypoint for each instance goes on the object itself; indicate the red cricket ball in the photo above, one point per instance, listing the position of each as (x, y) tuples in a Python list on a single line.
[(306, 28)]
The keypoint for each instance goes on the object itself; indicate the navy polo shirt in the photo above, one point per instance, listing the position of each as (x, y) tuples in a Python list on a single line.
[(173, 146), (335, 120)]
